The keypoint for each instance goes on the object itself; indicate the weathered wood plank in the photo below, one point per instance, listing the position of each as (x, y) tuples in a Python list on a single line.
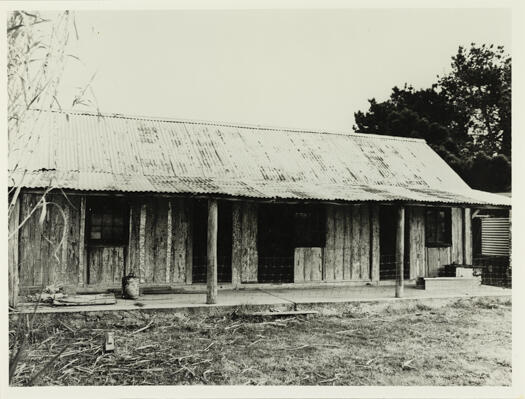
[(249, 243), (375, 245), (329, 252), (468, 237), (74, 243), (457, 235), (347, 244), (169, 239), (356, 242), (298, 272), (155, 240), (211, 279), (339, 222), (400, 251), (236, 243), (134, 244), (188, 209), (416, 237), (179, 232), (142, 244), (436, 258), (317, 264), (13, 243), (365, 242)]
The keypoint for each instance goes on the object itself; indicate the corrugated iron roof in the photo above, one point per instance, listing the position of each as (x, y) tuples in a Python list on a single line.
[(131, 154)]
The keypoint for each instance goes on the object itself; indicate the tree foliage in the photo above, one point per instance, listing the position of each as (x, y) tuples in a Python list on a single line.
[(465, 116)]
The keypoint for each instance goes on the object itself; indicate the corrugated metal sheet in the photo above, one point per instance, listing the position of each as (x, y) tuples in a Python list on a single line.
[(495, 236), (116, 153)]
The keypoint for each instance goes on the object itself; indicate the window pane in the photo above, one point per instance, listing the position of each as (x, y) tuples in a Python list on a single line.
[(96, 218), (118, 220), (106, 232), (107, 219)]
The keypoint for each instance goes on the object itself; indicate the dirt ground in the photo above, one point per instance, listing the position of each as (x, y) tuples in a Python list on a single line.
[(452, 342)]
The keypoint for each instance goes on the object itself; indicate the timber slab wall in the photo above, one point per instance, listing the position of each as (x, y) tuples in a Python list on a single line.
[(160, 245)]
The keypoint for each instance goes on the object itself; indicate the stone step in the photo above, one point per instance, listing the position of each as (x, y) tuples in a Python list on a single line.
[(450, 283)]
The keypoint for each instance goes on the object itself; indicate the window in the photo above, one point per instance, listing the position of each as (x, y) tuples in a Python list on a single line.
[(309, 227), (108, 221), (437, 227)]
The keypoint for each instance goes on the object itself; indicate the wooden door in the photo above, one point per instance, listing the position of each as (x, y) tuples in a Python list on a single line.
[(106, 264), (107, 227)]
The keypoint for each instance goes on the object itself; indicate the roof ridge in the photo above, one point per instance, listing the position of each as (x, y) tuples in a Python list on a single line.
[(361, 135)]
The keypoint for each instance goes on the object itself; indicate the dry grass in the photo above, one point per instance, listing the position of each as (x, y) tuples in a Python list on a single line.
[(460, 342)]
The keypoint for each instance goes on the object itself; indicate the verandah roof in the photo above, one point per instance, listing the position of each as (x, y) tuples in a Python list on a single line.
[(134, 154)]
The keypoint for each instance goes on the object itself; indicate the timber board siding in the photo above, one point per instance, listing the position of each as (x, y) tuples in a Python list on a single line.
[(349, 244), (456, 250), (155, 241), (180, 230), (308, 264), (133, 259), (106, 265), (416, 239), (44, 258), (245, 258), (467, 244), (436, 258), (375, 251)]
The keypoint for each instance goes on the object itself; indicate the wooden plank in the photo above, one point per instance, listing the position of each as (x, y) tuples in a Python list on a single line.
[(25, 276), (82, 300), (329, 252), (254, 255), (416, 237), (188, 211), (365, 242), (356, 242), (436, 258), (142, 244), (457, 235), (400, 250), (169, 238), (64, 238), (211, 279), (375, 246), (134, 249), (347, 244), (13, 244), (236, 243), (249, 243), (73, 237), (339, 239), (298, 272), (179, 232), (315, 263), (467, 247), (155, 240)]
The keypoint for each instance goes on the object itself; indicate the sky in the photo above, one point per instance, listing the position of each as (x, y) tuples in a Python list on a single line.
[(309, 69)]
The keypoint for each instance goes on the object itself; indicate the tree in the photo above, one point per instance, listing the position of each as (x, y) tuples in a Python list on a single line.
[(480, 84), (464, 117)]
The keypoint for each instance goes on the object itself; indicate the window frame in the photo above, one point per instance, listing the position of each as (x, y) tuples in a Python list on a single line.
[(432, 223), (115, 206)]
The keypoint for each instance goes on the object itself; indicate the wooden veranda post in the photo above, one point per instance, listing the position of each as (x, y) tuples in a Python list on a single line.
[(211, 295), (400, 250)]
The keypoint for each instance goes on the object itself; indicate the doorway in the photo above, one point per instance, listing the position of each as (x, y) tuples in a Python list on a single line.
[(200, 240), (387, 244), (107, 232)]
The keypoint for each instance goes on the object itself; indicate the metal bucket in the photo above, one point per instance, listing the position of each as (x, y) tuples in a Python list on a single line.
[(130, 287)]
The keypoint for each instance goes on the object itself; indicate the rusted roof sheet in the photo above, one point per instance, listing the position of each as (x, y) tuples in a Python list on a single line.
[(132, 154)]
